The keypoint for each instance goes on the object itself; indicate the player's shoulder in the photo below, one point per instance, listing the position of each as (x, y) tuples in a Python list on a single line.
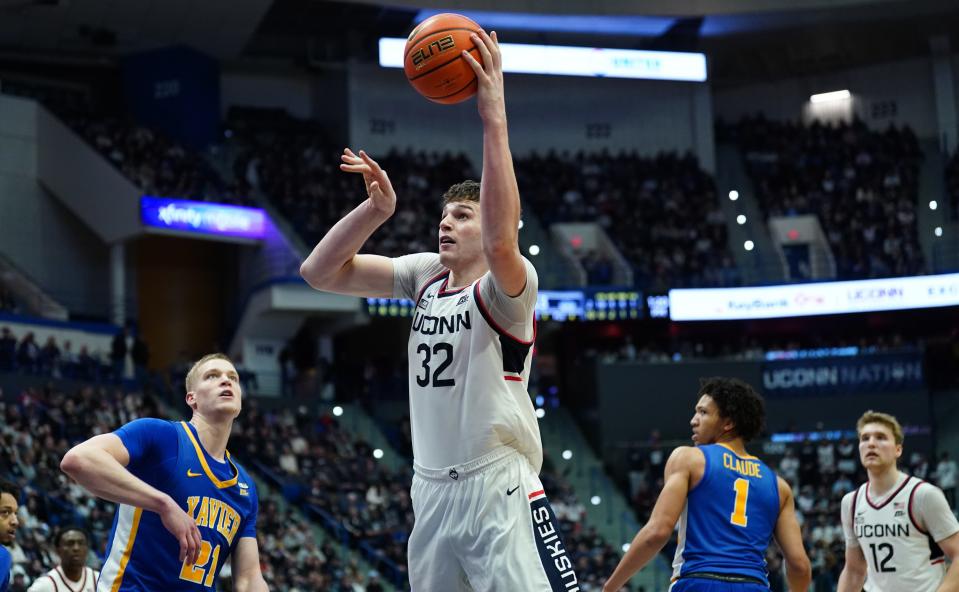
[(852, 495), (151, 424), (686, 457)]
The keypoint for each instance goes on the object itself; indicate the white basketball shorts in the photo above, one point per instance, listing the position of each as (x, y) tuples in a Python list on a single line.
[(486, 526)]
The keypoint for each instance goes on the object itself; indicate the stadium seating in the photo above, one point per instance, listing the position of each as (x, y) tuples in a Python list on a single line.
[(661, 212), (862, 185)]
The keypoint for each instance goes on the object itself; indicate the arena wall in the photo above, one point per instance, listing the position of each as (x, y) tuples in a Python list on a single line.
[(667, 396), (594, 113), (45, 240), (892, 93)]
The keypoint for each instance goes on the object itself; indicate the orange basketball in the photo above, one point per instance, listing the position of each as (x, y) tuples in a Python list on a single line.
[(433, 61)]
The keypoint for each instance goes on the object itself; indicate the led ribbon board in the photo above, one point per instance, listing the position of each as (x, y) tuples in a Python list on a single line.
[(798, 300), (202, 217), (561, 60), (555, 305)]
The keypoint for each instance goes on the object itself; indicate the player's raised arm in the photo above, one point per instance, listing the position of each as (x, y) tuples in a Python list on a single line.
[(334, 265), (789, 536), (655, 534), (499, 193), (99, 465)]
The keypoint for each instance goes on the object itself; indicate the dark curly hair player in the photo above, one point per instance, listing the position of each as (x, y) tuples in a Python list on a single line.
[(729, 504)]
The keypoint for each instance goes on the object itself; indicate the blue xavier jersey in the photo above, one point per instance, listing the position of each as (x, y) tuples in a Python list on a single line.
[(729, 517), (142, 555)]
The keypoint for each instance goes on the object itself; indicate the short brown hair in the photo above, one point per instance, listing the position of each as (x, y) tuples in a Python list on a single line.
[(191, 376), (885, 419), (466, 191)]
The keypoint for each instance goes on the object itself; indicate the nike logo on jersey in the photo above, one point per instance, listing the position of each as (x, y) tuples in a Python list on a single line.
[(463, 299), (512, 491), (190, 473)]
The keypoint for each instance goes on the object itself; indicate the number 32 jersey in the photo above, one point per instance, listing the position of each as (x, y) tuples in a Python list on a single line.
[(470, 352), (142, 555), (898, 534)]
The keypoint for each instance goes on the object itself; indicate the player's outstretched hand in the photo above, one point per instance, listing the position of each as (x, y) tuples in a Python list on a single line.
[(378, 186), (184, 530), (489, 98)]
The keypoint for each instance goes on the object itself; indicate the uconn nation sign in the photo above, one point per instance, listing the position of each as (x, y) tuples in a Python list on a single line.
[(869, 373)]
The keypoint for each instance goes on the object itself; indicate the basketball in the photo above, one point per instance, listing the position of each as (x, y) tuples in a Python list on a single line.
[(433, 62)]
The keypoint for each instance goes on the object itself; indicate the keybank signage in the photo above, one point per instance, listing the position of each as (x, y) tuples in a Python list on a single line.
[(203, 217), (873, 373), (824, 298)]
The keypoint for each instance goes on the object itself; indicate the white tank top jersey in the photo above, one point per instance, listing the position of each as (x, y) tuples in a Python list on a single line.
[(898, 534), (470, 352), (56, 581)]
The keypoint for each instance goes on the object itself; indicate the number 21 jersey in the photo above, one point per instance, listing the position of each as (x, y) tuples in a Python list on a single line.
[(470, 352)]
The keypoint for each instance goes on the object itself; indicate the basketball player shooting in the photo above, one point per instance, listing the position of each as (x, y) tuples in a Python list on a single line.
[(897, 527), (729, 504), (482, 519)]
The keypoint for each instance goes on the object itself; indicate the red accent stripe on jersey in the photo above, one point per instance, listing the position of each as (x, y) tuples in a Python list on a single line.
[(937, 561), (489, 318), (888, 499), (513, 378), (444, 292), (429, 283), (912, 517), (535, 493)]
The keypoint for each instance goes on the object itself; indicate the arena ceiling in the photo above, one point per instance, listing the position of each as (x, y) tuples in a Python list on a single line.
[(744, 39)]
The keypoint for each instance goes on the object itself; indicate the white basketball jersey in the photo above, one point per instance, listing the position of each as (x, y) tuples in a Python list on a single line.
[(56, 581), (468, 378), (900, 555)]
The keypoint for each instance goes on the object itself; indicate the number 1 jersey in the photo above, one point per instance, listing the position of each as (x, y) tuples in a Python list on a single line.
[(729, 518), (470, 352)]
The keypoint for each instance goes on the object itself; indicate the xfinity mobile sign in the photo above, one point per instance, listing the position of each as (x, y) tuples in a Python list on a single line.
[(205, 218), (797, 300)]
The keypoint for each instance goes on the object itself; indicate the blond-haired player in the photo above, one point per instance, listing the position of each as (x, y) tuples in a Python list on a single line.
[(897, 527), (184, 506), (482, 519)]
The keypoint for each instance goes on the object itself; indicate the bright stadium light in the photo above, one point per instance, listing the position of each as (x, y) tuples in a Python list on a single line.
[(595, 500), (534, 250), (741, 219), (541, 413), (337, 411), (838, 95), (377, 454), (625, 547), (733, 195), (749, 245), (520, 223), (567, 454), (938, 230), (933, 204)]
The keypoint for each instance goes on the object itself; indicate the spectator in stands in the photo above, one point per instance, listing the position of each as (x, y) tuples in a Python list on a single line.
[(8, 350), (140, 355), (946, 477), (28, 354), (118, 354), (72, 573), (49, 358)]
